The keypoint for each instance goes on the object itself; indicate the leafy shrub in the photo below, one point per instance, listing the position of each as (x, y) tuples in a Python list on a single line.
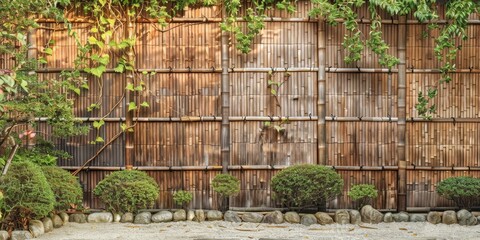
[(363, 193), (464, 191), (66, 187), (226, 185), (306, 185), (25, 186), (182, 197), (127, 191)]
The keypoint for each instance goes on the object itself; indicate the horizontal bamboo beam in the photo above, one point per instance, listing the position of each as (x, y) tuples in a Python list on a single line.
[(439, 168), (231, 167)]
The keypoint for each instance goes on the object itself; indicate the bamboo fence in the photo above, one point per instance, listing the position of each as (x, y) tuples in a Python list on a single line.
[(209, 104)]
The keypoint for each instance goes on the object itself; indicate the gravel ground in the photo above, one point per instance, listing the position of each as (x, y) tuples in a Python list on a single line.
[(235, 231)]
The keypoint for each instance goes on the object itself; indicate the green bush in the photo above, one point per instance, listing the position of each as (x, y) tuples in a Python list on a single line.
[(464, 191), (66, 187), (182, 198), (25, 186), (363, 193), (226, 185), (127, 191), (306, 185)]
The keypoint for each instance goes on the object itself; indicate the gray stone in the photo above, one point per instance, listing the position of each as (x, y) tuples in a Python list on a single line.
[(342, 216), (143, 218), (199, 215), (449, 217), (47, 224), (190, 215), (434, 217), (275, 217), (231, 216), (371, 215), (388, 217), (100, 217), (64, 216), (292, 217), (117, 217), (309, 219), (400, 217), (466, 218), (127, 217), (323, 218), (418, 218), (252, 217), (4, 235), (478, 219), (214, 215), (36, 228), (78, 218), (355, 217), (21, 235), (162, 216), (57, 221), (180, 215)]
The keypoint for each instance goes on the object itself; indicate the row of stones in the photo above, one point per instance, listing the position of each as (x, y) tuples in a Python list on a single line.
[(38, 227), (367, 215)]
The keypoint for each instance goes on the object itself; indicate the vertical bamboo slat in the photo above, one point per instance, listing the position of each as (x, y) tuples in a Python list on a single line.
[(321, 111), (225, 99), (401, 128), (129, 135)]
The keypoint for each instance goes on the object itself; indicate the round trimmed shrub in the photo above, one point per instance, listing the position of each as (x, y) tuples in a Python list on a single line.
[(127, 191), (25, 187), (226, 185), (464, 191), (66, 187), (363, 193), (306, 185), (182, 198)]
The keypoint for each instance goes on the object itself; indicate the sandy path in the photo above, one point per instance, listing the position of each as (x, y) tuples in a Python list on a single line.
[(226, 230)]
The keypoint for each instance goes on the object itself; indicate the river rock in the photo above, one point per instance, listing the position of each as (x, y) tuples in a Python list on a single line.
[(47, 224), (190, 215), (275, 217), (466, 218), (231, 216), (117, 217), (127, 217), (434, 217), (78, 218), (100, 217), (252, 217), (4, 235), (308, 219), (371, 215), (180, 215), (449, 217), (323, 218), (355, 217), (199, 215), (162, 216), (36, 228), (64, 216), (418, 218), (21, 235), (214, 215), (143, 218), (400, 217), (292, 217), (342, 216), (388, 217), (57, 221)]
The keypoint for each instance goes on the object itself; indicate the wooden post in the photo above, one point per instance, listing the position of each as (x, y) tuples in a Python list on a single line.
[(401, 112), (225, 98), (321, 80), (129, 97)]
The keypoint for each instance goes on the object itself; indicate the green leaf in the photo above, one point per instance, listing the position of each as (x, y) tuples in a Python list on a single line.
[(98, 124), (123, 126), (130, 87), (120, 68), (273, 92), (139, 88), (48, 51), (99, 139), (85, 86), (92, 40), (98, 71), (145, 104), (132, 106)]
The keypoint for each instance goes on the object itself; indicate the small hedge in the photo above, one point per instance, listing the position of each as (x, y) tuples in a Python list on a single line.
[(24, 186), (226, 185), (363, 193), (182, 198), (306, 185), (66, 187), (464, 191), (127, 191)]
